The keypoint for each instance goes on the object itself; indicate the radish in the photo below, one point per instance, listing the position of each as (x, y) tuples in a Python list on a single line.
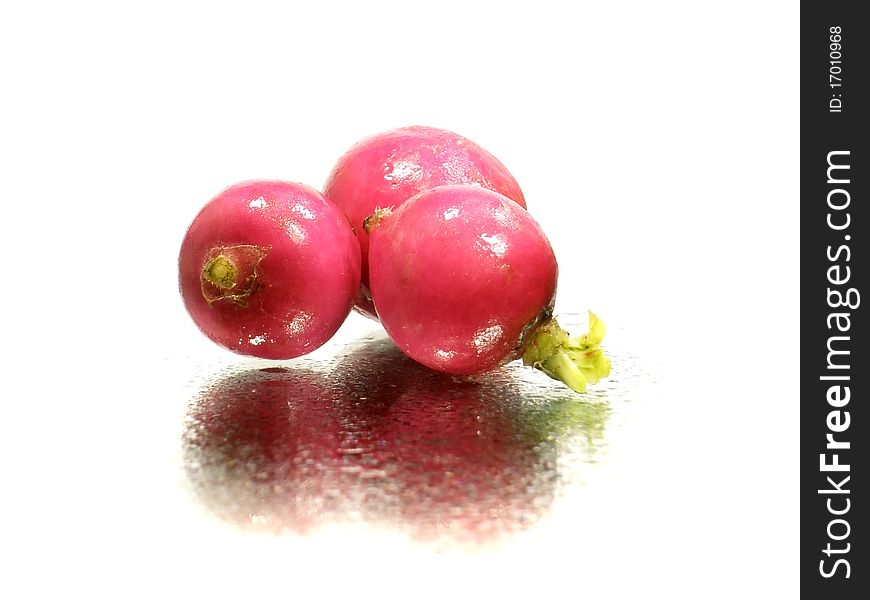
[(464, 280), (386, 169), (269, 269)]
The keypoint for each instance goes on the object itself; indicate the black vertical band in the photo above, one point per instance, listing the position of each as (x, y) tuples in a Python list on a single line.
[(835, 368)]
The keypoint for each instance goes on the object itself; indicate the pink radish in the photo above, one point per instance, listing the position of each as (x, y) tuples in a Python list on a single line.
[(386, 169), (269, 269), (464, 280)]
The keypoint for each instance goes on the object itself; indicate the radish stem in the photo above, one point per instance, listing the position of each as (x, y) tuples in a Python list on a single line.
[(221, 271), (573, 361), (231, 272), (374, 219)]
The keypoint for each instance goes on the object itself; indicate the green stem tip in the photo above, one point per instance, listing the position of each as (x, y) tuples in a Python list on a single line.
[(374, 219), (573, 361), (220, 271), (230, 272)]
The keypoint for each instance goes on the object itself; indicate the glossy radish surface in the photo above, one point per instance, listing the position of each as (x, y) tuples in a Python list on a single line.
[(269, 269), (386, 169), (464, 280)]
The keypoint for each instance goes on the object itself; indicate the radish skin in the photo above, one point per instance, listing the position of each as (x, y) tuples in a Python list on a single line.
[(386, 169)]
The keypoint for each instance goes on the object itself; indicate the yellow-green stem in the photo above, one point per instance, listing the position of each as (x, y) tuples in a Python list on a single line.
[(574, 361), (221, 272)]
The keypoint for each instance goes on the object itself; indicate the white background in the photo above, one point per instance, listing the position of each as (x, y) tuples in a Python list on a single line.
[(657, 144)]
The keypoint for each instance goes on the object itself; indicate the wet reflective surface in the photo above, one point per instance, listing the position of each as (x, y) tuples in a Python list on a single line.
[(354, 472), (370, 436)]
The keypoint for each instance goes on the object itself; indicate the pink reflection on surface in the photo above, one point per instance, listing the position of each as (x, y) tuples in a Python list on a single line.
[(375, 437)]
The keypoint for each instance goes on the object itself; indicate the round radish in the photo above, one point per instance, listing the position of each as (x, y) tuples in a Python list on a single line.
[(386, 169), (464, 280), (269, 269)]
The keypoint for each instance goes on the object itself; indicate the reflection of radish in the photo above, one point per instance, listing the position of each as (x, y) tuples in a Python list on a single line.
[(269, 269), (463, 463), (464, 280), (381, 438), (469, 459), (386, 169), (262, 447)]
